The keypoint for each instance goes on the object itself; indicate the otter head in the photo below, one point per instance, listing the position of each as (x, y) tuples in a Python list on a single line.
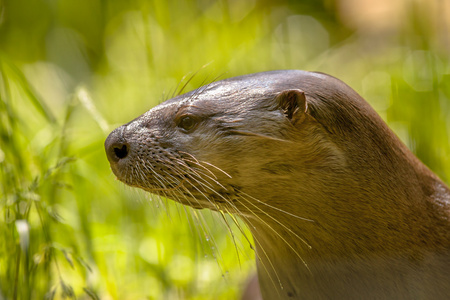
[(241, 136)]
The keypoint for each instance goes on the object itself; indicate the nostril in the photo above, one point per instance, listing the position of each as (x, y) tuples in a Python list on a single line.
[(116, 146), (121, 151)]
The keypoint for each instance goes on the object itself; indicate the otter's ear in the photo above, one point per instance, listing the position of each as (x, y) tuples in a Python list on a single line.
[(293, 104)]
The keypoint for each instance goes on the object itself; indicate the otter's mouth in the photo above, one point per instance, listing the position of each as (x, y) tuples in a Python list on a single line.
[(169, 188), (193, 196), (181, 190)]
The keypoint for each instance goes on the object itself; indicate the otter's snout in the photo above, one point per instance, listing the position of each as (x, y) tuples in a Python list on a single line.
[(116, 146)]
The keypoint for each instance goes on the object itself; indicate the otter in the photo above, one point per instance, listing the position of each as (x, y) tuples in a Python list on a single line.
[(338, 207)]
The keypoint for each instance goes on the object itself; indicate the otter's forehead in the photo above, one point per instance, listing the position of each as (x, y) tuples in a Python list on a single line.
[(252, 86)]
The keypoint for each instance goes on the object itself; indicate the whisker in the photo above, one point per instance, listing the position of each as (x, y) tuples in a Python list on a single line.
[(164, 187), (200, 177), (231, 233), (190, 170), (260, 246), (177, 181), (175, 93), (276, 208), (217, 168), (239, 226), (197, 163), (152, 171), (203, 87), (278, 234), (187, 82), (268, 259)]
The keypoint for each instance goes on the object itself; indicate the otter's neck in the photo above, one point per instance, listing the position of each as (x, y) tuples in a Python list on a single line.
[(375, 235), (289, 270)]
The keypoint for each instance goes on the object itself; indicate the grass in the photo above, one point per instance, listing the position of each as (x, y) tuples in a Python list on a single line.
[(68, 229)]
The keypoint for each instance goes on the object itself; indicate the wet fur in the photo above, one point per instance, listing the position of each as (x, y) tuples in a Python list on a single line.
[(337, 204)]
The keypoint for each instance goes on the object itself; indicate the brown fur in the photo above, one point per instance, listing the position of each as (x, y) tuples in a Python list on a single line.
[(337, 205)]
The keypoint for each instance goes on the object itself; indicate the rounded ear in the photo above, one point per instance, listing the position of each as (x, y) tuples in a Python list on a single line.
[(293, 104)]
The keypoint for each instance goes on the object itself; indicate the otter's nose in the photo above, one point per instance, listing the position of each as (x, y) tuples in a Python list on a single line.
[(116, 146)]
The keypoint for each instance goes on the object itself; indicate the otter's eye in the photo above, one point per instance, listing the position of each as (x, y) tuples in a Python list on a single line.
[(187, 123)]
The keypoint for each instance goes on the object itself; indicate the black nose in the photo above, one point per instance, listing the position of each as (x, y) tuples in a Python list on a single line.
[(116, 146)]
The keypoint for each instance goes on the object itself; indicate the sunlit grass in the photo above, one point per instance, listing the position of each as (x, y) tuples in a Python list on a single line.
[(71, 230)]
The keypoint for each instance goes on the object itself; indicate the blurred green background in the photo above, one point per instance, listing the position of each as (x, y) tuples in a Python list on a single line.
[(73, 70)]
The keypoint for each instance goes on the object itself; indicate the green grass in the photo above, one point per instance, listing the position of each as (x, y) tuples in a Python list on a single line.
[(72, 71), (71, 230)]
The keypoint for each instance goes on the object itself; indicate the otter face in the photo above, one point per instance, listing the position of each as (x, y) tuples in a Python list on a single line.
[(205, 147)]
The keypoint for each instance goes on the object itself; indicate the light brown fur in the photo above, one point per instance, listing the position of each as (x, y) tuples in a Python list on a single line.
[(339, 208)]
